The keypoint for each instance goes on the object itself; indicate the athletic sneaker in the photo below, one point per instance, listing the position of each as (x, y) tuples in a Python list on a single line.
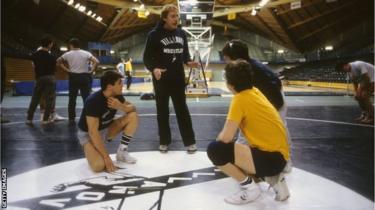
[(368, 120), (124, 156), (278, 183), (192, 149), (47, 122), (246, 195), (56, 117), (163, 148), (361, 117)]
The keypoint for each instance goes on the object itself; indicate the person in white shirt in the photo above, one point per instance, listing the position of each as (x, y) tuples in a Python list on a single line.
[(362, 75), (79, 73), (121, 67)]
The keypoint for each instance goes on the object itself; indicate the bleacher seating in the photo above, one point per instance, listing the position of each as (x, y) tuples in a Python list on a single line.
[(315, 72)]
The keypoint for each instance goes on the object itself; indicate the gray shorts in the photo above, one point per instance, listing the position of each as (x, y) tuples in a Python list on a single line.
[(84, 136)]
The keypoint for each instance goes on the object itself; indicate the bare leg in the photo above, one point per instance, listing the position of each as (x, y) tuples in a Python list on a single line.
[(93, 157), (127, 123), (243, 163)]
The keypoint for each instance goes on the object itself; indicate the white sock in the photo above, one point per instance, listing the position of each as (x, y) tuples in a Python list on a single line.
[(246, 182)]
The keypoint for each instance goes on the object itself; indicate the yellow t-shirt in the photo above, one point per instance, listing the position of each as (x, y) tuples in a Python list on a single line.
[(128, 66), (259, 122)]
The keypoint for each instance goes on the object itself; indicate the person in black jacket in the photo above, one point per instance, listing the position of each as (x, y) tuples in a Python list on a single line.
[(165, 54), (264, 79), (44, 66)]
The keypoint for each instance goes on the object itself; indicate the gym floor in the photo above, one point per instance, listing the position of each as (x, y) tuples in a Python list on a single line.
[(326, 141)]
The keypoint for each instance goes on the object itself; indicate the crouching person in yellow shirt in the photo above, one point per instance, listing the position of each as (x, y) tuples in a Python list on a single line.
[(263, 128)]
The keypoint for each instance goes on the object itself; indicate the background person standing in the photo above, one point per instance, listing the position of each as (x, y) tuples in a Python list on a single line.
[(79, 73)]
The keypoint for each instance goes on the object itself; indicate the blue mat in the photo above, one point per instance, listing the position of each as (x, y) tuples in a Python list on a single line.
[(25, 88)]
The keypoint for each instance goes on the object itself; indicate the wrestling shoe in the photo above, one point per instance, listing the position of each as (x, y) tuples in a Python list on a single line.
[(124, 156), (278, 184), (245, 195)]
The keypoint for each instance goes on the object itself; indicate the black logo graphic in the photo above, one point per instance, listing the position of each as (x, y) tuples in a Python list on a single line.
[(116, 186)]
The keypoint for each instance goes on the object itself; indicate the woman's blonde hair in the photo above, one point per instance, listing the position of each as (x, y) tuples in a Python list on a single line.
[(166, 9)]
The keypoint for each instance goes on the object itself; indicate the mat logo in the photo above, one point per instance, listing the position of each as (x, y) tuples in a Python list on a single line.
[(110, 191)]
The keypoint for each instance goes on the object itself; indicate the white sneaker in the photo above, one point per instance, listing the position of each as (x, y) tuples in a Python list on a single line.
[(163, 148), (47, 122), (56, 117), (288, 167), (278, 183), (192, 149), (247, 195), (124, 156), (50, 119)]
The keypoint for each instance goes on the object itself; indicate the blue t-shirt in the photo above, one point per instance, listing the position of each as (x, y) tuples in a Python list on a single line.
[(96, 106)]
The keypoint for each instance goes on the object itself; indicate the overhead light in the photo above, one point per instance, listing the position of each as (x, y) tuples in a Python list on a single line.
[(281, 51), (262, 3), (71, 2), (82, 8), (142, 6), (93, 15), (77, 5), (112, 52), (329, 48), (63, 49), (89, 13), (193, 2), (253, 12), (99, 19), (135, 0)]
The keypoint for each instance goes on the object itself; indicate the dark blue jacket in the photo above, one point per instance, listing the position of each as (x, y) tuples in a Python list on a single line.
[(268, 83), (167, 50)]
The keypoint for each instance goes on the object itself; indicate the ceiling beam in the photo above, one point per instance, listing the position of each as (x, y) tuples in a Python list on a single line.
[(229, 9), (337, 21), (276, 36), (282, 24), (79, 27), (224, 24), (114, 37), (320, 15), (129, 26), (57, 16), (130, 5), (251, 27), (114, 21), (303, 6)]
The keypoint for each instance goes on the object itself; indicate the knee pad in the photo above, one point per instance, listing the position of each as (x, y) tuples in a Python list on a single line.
[(220, 153)]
